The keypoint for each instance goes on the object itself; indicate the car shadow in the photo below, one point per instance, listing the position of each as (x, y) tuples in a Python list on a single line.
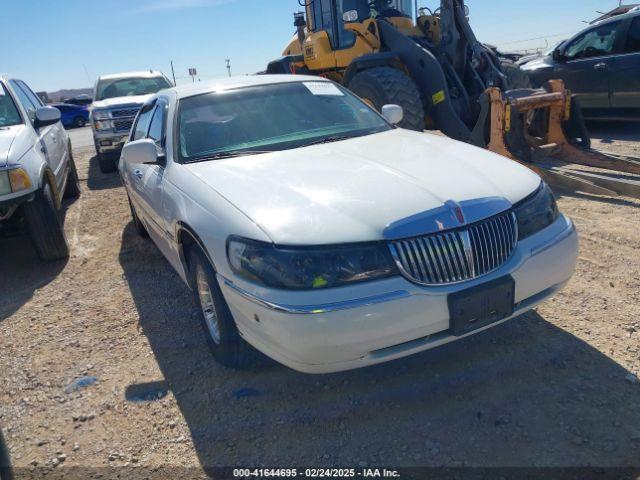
[(96, 180), (5, 461), (22, 272), (610, 132), (526, 393)]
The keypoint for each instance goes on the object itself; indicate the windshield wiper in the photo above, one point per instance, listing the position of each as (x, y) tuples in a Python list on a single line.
[(223, 155), (334, 138)]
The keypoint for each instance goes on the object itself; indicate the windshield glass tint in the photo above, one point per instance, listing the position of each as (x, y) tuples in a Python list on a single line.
[(9, 114), (271, 117), (130, 87)]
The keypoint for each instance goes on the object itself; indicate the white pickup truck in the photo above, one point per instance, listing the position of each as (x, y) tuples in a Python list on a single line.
[(117, 99)]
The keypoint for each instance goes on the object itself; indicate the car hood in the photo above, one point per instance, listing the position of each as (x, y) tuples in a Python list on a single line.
[(540, 62), (7, 138), (119, 101), (388, 185)]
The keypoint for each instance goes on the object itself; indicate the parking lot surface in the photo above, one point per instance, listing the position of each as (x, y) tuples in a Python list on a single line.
[(103, 363)]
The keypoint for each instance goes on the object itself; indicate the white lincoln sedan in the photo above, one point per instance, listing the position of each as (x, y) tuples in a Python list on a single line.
[(312, 228)]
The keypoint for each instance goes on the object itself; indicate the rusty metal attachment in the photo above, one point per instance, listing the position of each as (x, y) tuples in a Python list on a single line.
[(553, 155)]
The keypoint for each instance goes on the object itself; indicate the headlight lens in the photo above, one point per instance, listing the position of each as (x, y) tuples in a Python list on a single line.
[(14, 180), (536, 212), (308, 268), (101, 114), (104, 125), (5, 185)]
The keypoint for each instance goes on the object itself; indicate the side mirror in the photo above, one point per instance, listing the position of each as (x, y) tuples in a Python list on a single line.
[(393, 114), (46, 116), (142, 152), (558, 56)]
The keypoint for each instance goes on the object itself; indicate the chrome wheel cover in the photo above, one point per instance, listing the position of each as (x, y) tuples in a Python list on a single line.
[(208, 306)]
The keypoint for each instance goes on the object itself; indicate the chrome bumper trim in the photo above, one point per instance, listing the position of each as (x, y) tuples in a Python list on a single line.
[(318, 309)]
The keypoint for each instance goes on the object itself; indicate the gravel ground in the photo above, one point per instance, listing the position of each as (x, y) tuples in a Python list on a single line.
[(555, 387)]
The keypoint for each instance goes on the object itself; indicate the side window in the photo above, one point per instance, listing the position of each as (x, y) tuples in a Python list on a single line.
[(156, 129), (24, 100), (142, 125), (597, 42), (633, 37), (32, 96)]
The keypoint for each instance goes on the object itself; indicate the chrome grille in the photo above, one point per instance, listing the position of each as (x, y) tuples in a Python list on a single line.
[(123, 125), (457, 255), (127, 112)]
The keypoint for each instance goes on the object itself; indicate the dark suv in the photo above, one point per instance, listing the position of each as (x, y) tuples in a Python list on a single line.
[(601, 65)]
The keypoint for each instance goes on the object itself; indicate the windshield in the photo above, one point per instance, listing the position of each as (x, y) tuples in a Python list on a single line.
[(9, 114), (271, 118), (394, 8), (130, 87)]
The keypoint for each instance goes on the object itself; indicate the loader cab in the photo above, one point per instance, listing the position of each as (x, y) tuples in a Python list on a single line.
[(331, 41)]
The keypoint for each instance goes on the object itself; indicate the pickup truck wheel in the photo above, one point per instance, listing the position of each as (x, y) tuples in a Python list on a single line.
[(46, 230), (140, 228), (73, 183), (107, 163), (225, 343)]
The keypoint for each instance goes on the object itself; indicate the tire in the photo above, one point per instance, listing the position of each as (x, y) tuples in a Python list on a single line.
[(107, 163), (516, 77), (225, 343), (44, 225), (140, 228), (385, 85), (72, 189), (79, 122)]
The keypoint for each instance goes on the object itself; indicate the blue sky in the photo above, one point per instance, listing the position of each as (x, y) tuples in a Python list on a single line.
[(67, 43)]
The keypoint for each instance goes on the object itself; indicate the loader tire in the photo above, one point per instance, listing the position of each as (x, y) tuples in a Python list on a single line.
[(385, 85), (516, 77)]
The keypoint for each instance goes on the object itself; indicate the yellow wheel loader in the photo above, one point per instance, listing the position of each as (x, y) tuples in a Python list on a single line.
[(445, 79)]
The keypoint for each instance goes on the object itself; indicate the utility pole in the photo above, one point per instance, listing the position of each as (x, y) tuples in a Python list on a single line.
[(228, 60), (173, 73)]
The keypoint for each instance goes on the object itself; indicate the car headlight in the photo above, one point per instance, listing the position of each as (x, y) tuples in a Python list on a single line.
[(536, 212), (308, 268), (101, 114), (104, 124), (14, 180)]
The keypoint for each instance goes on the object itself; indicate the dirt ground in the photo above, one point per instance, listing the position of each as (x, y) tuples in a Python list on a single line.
[(556, 387)]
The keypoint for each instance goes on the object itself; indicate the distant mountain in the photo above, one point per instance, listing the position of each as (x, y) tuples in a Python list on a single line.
[(69, 93)]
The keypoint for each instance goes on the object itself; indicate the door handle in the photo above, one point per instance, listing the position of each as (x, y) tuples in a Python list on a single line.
[(600, 66), (138, 174)]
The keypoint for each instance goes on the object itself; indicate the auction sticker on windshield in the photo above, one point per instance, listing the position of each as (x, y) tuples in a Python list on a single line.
[(323, 88)]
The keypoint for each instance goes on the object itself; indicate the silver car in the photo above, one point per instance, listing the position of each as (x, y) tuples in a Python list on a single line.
[(36, 168)]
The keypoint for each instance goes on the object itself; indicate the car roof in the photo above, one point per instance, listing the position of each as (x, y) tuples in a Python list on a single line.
[(227, 83), (630, 14), (144, 74)]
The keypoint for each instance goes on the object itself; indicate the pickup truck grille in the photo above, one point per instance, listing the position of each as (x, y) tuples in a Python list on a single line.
[(127, 112), (123, 125), (458, 255)]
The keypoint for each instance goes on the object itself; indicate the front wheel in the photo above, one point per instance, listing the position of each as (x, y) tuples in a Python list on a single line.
[(219, 327), (79, 122), (45, 227), (381, 86)]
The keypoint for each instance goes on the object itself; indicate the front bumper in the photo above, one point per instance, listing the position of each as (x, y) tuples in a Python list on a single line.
[(353, 327), (109, 141)]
